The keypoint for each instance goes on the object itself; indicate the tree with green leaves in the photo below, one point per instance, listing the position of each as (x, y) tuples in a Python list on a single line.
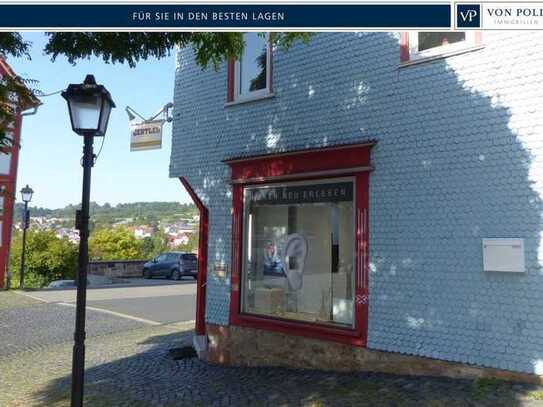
[(191, 246), (15, 92), (211, 49), (118, 243), (48, 258), (152, 246)]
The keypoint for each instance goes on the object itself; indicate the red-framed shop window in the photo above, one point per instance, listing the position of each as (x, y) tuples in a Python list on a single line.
[(300, 243)]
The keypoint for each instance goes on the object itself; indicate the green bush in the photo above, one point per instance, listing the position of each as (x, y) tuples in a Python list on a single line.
[(48, 258), (117, 243), (153, 246)]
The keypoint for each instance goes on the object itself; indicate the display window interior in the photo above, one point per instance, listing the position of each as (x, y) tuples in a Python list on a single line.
[(298, 250)]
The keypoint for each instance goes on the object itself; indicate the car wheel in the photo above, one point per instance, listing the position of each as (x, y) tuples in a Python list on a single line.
[(176, 275), (146, 273)]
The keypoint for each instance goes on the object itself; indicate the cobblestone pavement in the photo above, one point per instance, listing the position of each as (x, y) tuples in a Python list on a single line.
[(132, 367), (11, 301), (37, 326)]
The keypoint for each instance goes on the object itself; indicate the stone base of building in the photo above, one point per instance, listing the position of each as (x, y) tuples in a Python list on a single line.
[(117, 268), (233, 345)]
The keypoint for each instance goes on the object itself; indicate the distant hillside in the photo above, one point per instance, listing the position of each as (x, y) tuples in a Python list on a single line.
[(138, 211)]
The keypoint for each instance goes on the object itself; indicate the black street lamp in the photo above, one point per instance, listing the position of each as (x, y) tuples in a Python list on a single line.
[(26, 196), (89, 105)]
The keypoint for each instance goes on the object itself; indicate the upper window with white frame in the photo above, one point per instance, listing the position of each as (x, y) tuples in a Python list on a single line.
[(252, 72), (434, 44)]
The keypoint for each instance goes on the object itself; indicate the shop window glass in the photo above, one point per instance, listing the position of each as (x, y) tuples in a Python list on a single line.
[(299, 251)]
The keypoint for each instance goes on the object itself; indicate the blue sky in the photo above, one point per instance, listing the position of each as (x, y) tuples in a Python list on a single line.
[(50, 153)]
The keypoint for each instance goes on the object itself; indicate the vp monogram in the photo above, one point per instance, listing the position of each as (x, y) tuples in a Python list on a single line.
[(468, 15)]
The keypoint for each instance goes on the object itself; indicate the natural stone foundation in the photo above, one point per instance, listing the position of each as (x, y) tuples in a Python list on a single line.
[(233, 345), (117, 268)]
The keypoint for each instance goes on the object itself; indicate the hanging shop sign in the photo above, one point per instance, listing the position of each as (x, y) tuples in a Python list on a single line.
[(146, 135)]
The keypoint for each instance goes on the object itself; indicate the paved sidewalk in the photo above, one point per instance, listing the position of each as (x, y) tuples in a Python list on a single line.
[(10, 300), (132, 367)]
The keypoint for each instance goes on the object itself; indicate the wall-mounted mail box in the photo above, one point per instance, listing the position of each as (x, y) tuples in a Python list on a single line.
[(503, 255)]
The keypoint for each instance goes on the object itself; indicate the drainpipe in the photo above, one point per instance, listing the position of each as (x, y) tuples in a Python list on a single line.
[(31, 113)]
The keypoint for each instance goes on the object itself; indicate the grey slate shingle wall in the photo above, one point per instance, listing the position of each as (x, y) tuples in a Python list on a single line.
[(459, 157)]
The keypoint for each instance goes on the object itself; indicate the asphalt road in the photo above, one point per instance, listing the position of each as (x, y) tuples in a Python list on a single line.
[(152, 301), (163, 309)]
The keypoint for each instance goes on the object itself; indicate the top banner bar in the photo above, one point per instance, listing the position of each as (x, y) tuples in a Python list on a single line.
[(228, 16)]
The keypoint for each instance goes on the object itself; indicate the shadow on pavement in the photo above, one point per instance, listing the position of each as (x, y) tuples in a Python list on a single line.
[(151, 377)]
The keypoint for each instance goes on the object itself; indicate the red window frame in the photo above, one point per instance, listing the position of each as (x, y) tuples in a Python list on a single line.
[(326, 163), (405, 53)]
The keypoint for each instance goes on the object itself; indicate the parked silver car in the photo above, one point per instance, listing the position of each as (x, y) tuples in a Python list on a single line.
[(62, 284)]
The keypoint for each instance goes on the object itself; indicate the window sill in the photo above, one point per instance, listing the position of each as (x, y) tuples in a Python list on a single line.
[(347, 336), (440, 56), (250, 99)]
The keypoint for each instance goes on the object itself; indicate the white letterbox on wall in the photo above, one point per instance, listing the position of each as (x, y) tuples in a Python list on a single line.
[(503, 255)]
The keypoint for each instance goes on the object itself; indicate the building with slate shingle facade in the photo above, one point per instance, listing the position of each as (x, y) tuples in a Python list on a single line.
[(370, 201)]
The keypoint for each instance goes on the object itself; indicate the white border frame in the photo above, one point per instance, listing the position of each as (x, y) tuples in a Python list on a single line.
[(415, 54), (257, 94)]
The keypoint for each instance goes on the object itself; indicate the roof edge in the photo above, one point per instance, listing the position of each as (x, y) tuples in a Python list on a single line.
[(8, 70)]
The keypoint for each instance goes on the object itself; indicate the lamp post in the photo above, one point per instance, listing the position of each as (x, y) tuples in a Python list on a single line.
[(89, 106), (26, 196)]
